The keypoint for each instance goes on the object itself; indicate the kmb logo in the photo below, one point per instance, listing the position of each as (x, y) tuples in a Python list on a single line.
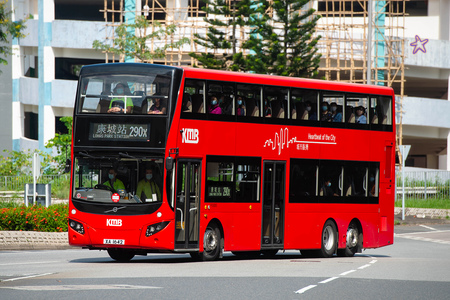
[(190, 136), (113, 222)]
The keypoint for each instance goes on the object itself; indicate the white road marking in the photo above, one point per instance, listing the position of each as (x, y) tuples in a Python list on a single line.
[(301, 291), (363, 267), (346, 273), (428, 227), (26, 277), (30, 263), (85, 287), (328, 280)]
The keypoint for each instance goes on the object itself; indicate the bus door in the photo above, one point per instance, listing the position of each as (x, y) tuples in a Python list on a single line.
[(187, 205), (273, 205)]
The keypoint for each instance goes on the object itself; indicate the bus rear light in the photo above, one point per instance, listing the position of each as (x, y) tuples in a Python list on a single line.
[(155, 228), (77, 226)]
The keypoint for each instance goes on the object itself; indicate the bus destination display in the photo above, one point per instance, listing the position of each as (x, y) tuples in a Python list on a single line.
[(114, 132)]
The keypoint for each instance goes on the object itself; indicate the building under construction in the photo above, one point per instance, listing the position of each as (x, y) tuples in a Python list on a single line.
[(361, 41)]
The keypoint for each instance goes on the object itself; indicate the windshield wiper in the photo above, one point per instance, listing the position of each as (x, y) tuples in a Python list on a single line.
[(85, 154), (115, 209)]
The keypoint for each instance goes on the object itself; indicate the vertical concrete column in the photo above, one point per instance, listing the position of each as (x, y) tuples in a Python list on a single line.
[(448, 134), (130, 16), (46, 73), (16, 64)]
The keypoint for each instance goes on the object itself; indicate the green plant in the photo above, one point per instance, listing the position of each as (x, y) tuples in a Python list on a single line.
[(34, 218)]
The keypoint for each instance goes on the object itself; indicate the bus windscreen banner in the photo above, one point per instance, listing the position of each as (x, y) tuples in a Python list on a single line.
[(115, 132)]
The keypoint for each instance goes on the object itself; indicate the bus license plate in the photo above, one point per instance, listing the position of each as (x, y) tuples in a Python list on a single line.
[(113, 242)]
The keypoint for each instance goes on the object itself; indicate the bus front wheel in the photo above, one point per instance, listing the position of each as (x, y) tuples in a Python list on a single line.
[(122, 255), (212, 243), (329, 239)]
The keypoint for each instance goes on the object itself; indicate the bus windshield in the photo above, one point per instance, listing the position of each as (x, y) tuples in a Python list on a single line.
[(118, 180), (124, 94)]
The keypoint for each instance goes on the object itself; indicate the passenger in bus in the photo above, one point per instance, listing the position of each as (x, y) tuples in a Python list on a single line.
[(335, 115), (113, 181), (327, 190), (157, 108), (360, 116), (147, 189), (122, 104), (226, 105), (326, 115), (240, 106), (214, 107), (267, 109), (312, 114), (372, 191)]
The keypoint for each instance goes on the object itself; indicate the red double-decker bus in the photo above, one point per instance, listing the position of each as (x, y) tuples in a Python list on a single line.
[(172, 159)]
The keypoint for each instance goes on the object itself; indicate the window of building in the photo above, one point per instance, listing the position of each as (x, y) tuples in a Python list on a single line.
[(31, 125)]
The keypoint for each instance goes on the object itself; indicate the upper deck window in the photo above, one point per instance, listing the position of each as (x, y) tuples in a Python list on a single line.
[(124, 94)]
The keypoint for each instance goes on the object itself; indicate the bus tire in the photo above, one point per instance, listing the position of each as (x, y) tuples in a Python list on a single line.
[(329, 239), (122, 255), (353, 241), (212, 243)]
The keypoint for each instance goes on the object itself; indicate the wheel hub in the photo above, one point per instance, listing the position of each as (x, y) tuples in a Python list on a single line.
[(210, 240)]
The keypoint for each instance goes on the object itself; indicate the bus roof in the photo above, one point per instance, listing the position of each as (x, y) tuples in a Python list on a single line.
[(198, 73)]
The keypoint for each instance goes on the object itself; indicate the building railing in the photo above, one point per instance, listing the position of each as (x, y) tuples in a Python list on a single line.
[(424, 185)]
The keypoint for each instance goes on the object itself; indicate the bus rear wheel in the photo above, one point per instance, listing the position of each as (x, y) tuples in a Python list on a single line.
[(329, 239), (122, 255), (212, 244), (353, 243)]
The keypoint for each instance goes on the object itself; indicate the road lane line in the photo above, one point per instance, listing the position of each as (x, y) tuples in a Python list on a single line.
[(373, 261), (26, 277), (428, 227), (328, 280), (301, 291), (363, 267), (346, 273), (30, 263), (86, 287)]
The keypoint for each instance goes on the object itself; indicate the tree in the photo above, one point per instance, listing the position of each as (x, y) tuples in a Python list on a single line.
[(62, 143), (8, 29), (278, 37), (132, 40), (283, 44), (222, 40)]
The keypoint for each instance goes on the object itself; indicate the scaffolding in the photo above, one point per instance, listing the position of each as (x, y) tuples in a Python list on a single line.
[(361, 41)]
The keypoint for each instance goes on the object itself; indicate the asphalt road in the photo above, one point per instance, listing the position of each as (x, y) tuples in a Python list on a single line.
[(417, 266)]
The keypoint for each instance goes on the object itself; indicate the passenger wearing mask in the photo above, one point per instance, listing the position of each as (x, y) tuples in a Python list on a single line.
[(240, 106), (267, 109), (335, 115), (214, 107), (312, 114), (325, 116), (326, 189), (360, 117)]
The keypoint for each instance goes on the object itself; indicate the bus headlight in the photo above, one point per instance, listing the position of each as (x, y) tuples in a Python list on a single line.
[(77, 226), (154, 228)]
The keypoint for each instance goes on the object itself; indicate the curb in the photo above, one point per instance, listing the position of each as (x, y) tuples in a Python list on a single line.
[(32, 240), (424, 212)]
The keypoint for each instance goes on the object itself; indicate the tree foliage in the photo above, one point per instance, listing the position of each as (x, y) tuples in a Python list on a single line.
[(133, 40), (279, 37), (62, 143), (283, 43), (222, 38), (17, 163), (8, 29)]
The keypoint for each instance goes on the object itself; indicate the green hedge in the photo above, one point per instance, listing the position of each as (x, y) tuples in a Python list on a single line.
[(35, 218)]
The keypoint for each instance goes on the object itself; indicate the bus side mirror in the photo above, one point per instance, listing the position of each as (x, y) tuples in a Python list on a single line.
[(67, 166), (169, 163)]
